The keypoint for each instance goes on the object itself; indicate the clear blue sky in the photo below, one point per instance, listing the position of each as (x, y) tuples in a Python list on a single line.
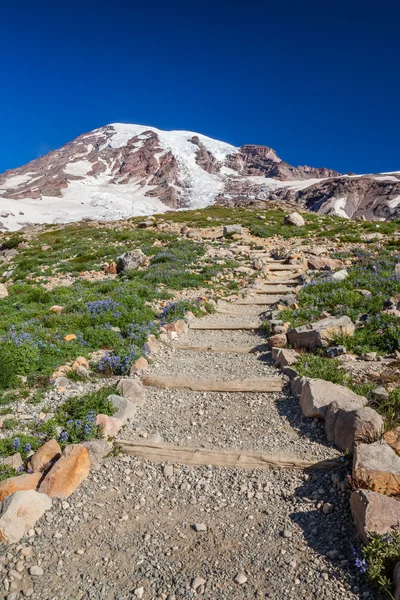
[(317, 81)]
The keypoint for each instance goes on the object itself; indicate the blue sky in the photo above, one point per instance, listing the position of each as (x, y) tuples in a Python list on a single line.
[(317, 82)]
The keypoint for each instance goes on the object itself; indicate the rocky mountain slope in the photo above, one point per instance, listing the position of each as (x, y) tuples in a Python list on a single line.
[(124, 170)]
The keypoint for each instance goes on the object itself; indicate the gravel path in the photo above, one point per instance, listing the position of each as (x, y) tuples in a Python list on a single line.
[(135, 529)]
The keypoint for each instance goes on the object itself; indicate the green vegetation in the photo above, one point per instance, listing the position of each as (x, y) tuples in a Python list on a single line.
[(378, 559), (6, 472)]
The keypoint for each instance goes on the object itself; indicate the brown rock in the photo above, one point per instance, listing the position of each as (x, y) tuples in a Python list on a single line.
[(152, 346), (140, 365), (377, 467), (68, 472), (110, 425), (324, 264), (345, 427), (18, 483), (392, 438), (179, 326), (317, 395), (374, 513), (111, 268), (56, 309), (286, 357), (45, 456), (3, 291), (320, 333), (80, 362), (277, 341), (19, 512), (70, 337)]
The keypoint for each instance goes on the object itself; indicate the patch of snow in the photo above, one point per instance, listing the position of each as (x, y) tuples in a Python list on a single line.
[(387, 178), (16, 181), (335, 206), (80, 167), (394, 202)]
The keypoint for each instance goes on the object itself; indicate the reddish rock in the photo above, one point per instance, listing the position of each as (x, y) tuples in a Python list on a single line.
[(377, 467), (345, 427), (179, 327), (45, 456), (81, 361), (277, 341), (392, 438), (18, 483), (374, 513), (140, 365), (19, 512), (68, 472), (111, 269), (70, 337), (110, 425), (322, 264)]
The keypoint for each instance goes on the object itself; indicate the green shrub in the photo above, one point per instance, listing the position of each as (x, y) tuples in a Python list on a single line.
[(6, 472), (318, 367), (378, 559)]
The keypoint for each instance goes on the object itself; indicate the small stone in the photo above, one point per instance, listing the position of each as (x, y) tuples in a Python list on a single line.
[(332, 554), (240, 579), (197, 582), (168, 471), (327, 508), (287, 533), (139, 592), (36, 571), (199, 527)]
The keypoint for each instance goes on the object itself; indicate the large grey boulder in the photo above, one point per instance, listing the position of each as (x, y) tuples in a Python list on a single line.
[(125, 410), (132, 260), (318, 394), (232, 229), (19, 512), (294, 219), (374, 514), (345, 427), (377, 467), (320, 333)]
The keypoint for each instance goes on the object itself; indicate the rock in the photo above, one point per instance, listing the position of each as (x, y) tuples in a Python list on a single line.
[(145, 224), (131, 260), (199, 527), (317, 395), (333, 554), (296, 386), (15, 461), (36, 571), (4, 418), (327, 508), (168, 471), (286, 357), (140, 364), (232, 229), (19, 513), (392, 438), (320, 333), (240, 579), (82, 372), (56, 309), (379, 394), (67, 473), (340, 275), (323, 264), (125, 409), (80, 362), (374, 513), (152, 346), (370, 356), (197, 582), (18, 483), (45, 456), (377, 467), (132, 390), (335, 351), (294, 219), (139, 592), (98, 449), (3, 291), (110, 425), (346, 427), (70, 337), (277, 341)]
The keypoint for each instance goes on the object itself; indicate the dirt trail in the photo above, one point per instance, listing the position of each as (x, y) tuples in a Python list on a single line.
[(130, 530)]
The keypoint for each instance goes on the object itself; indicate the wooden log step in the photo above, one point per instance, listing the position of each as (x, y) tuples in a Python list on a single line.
[(272, 290), (228, 325), (281, 267), (172, 382), (240, 459), (257, 302), (281, 282), (222, 349)]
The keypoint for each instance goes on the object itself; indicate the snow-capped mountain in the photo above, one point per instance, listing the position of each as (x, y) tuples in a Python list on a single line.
[(123, 170)]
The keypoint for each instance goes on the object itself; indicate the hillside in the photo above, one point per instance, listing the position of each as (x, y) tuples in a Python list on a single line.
[(122, 170)]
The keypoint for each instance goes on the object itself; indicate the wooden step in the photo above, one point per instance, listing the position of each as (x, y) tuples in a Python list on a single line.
[(240, 459), (257, 302), (281, 282), (281, 267), (222, 349), (227, 325), (272, 290), (172, 382)]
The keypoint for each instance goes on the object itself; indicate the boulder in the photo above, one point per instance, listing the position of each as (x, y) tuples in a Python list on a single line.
[(3, 291), (125, 409), (140, 364), (278, 340), (131, 260), (345, 427), (152, 346), (232, 229), (180, 326), (294, 219), (320, 333), (98, 449), (286, 357), (45, 456), (132, 390), (18, 483), (81, 361), (14, 461), (392, 438), (110, 425), (377, 467), (19, 512), (373, 513), (317, 395), (340, 275), (296, 386), (323, 264), (68, 472)]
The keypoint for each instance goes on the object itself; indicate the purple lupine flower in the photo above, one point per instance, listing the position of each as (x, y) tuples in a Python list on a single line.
[(361, 564), (27, 448), (64, 436), (16, 443)]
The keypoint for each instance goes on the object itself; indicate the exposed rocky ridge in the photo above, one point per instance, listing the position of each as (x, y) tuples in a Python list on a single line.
[(120, 170)]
